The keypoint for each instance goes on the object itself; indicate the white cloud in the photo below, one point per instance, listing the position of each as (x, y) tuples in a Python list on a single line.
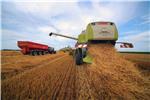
[(143, 36), (46, 29), (10, 38), (44, 0), (117, 12), (146, 19), (11, 34), (75, 20), (114, 11), (45, 10)]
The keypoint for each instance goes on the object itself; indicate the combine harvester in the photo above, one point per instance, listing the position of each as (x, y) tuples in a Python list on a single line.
[(33, 48), (96, 32)]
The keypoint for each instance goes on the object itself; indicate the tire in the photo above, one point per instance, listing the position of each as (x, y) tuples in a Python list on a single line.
[(42, 52), (51, 53), (37, 52), (45, 52), (31, 53), (113, 43), (78, 57), (84, 52), (34, 53)]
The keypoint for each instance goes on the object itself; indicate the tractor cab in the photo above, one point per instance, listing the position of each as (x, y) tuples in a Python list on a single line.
[(99, 32)]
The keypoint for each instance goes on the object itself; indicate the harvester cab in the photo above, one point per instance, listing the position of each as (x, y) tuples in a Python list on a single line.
[(96, 32)]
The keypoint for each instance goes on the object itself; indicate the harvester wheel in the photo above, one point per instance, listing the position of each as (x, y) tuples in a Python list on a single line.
[(113, 43), (78, 57)]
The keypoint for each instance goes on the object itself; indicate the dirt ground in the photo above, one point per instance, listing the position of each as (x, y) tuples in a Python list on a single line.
[(56, 76)]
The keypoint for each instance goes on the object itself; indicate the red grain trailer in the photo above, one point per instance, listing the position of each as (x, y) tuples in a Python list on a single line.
[(33, 48)]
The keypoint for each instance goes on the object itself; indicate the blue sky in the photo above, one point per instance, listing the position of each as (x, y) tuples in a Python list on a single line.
[(33, 21)]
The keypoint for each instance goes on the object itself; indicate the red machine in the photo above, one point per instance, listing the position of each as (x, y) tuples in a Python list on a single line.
[(33, 48)]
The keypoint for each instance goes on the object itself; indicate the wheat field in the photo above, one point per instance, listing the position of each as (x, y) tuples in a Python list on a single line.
[(56, 77)]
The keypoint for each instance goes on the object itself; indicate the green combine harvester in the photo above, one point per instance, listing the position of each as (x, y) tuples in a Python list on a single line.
[(96, 32)]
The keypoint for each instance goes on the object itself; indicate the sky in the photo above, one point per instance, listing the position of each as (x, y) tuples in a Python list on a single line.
[(33, 21)]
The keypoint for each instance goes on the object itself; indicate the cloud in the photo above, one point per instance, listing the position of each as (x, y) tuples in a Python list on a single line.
[(38, 19), (146, 19), (9, 39), (143, 36), (8, 35), (46, 29), (48, 11), (117, 12), (113, 11), (45, 8)]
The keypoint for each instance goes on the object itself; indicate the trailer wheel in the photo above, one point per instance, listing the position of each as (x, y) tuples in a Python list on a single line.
[(78, 57), (31, 53), (45, 52), (34, 53), (37, 52), (42, 52)]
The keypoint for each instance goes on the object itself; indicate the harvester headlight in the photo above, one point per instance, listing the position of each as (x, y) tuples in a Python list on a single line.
[(80, 45), (85, 45)]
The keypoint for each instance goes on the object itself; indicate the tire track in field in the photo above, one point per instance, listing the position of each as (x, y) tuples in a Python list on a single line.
[(67, 90), (71, 94), (65, 84), (91, 80), (59, 83), (33, 80), (84, 91), (39, 66)]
